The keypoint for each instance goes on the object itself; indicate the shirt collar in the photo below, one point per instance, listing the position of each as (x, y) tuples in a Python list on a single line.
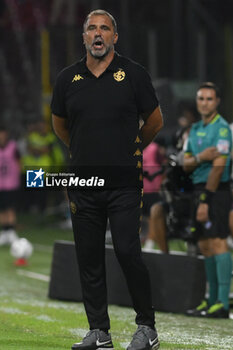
[(113, 66), (215, 118), (82, 68)]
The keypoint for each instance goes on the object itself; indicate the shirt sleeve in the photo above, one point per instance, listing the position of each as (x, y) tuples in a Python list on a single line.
[(58, 105), (146, 98), (223, 141)]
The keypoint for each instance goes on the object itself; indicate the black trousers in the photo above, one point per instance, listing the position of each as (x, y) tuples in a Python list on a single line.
[(90, 210)]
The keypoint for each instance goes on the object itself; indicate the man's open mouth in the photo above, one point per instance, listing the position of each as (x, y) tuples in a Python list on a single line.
[(98, 44)]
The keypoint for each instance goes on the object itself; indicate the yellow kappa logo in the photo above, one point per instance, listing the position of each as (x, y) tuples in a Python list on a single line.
[(137, 152), (119, 75), (138, 140), (77, 77)]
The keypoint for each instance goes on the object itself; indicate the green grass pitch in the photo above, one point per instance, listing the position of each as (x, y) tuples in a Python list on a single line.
[(31, 321)]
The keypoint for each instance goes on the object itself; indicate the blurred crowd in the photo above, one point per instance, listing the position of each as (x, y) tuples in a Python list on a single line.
[(37, 148), (33, 14)]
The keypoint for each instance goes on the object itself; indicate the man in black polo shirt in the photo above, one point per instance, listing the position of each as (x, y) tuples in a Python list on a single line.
[(96, 107)]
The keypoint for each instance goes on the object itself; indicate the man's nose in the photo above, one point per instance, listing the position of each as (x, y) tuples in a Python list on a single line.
[(97, 31), (203, 102)]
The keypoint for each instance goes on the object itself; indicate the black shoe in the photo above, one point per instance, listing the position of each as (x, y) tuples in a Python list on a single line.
[(145, 338), (217, 311), (199, 311), (95, 339)]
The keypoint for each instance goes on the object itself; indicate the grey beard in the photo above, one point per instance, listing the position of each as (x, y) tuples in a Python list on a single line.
[(99, 55)]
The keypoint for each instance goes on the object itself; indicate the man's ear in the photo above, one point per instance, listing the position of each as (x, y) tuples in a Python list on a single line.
[(115, 38)]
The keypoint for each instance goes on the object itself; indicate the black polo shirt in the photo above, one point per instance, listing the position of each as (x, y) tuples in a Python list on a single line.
[(103, 113)]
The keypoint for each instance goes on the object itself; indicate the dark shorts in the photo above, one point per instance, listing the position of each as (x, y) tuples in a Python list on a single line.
[(148, 200), (219, 209), (8, 199)]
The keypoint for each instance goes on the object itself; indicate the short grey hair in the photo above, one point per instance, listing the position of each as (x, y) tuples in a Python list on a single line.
[(100, 13)]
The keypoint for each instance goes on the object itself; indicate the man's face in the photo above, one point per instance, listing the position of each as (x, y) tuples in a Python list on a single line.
[(207, 102), (99, 37)]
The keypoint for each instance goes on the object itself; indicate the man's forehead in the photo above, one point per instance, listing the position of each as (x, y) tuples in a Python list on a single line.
[(99, 19), (206, 92)]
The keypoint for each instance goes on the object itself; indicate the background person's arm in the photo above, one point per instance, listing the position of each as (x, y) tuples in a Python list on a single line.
[(216, 173), (191, 162)]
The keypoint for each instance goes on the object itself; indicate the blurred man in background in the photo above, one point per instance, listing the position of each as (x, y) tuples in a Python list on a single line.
[(208, 157)]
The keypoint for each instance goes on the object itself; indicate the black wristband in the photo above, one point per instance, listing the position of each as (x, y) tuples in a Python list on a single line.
[(205, 196)]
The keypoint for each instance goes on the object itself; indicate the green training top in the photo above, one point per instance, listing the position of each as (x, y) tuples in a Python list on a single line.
[(216, 133)]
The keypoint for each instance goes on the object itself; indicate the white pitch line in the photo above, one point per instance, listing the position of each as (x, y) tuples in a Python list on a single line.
[(35, 275), (43, 248)]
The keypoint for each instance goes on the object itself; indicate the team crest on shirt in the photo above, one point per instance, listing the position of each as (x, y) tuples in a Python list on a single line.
[(119, 75), (73, 207), (223, 132)]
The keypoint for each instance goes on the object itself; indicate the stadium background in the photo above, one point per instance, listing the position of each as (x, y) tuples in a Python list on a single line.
[(180, 42)]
